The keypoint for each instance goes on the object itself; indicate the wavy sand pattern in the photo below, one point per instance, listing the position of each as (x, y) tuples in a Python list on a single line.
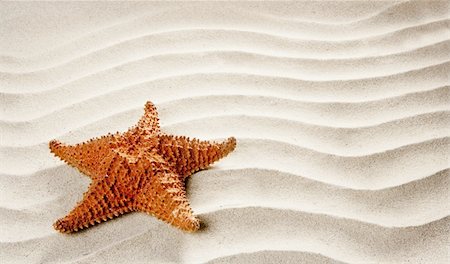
[(341, 110)]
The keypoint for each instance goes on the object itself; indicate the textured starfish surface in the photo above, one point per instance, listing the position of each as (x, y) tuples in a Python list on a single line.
[(141, 169)]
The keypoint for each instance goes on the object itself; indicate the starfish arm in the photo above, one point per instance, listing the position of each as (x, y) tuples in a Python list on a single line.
[(99, 203), (88, 157), (164, 196), (106, 198), (149, 122), (190, 155)]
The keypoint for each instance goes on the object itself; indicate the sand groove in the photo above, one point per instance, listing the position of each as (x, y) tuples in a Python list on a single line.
[(244, 84), (341, 111), (247, 41), (163, 19), (238, 62)]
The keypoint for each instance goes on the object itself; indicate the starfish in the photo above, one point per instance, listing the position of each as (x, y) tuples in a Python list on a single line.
[(141, 169)]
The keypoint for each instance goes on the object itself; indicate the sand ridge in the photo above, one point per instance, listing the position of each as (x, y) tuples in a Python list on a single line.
[(341, 111)]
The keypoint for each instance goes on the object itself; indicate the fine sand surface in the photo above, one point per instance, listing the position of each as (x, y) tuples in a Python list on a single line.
[(341, 111)]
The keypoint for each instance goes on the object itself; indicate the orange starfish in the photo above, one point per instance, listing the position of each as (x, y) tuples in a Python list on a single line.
[(139, 170)]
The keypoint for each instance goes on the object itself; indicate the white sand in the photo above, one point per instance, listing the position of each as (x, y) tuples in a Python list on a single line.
[(341, 110)]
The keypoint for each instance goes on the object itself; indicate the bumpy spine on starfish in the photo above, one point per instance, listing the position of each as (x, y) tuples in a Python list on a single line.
[(171, 204), (149, 121), (191, 155)]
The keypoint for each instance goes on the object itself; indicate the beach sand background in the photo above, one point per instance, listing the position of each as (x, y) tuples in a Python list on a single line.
[(341, 111)]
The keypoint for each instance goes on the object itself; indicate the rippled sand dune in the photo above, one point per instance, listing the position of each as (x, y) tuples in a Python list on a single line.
[(341, 111)]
